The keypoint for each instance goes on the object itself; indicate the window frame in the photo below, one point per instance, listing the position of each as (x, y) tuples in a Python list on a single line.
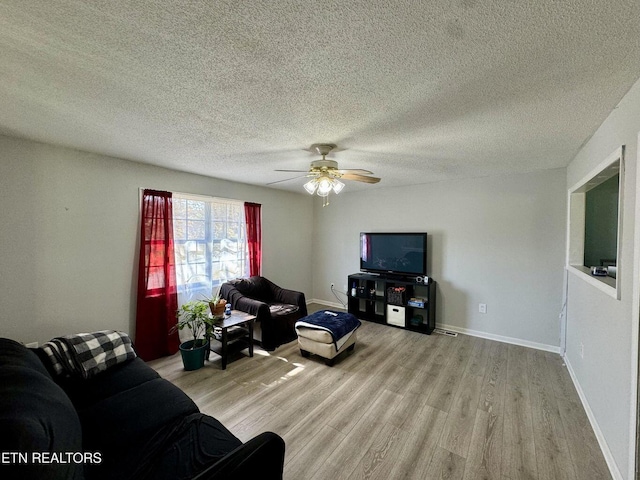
[(576, 201), (209, 241)]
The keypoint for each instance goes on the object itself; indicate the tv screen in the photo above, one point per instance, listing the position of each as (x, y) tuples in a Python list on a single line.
[(395, 253)]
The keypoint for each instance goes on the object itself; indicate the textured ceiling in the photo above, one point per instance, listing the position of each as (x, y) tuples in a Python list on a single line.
[(413, 91)]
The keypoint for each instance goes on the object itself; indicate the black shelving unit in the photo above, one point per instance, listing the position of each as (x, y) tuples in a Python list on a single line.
[(373, 299)]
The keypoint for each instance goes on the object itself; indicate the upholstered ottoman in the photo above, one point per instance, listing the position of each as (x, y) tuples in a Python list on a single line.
[(327, 333)]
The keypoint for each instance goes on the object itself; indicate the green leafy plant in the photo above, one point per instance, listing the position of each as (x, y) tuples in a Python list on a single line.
[(194, 316), (215, 296), (214, 300)]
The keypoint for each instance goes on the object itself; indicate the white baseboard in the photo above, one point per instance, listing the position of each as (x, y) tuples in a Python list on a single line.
[(500, 338), (339, 306), (604, 447), (466, 331)]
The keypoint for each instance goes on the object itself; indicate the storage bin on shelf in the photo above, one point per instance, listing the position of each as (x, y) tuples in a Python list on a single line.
[(396, 295)]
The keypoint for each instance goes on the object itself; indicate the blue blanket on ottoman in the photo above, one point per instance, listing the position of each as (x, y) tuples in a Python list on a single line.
[(338, 324)]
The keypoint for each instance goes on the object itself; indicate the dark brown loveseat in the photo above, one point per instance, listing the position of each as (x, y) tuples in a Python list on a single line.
[(276, 309)]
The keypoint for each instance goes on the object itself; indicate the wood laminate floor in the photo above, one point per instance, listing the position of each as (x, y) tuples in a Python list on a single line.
[(405, 405)]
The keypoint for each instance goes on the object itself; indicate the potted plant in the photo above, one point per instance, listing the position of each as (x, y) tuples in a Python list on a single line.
[(216, 304), (194, 316)]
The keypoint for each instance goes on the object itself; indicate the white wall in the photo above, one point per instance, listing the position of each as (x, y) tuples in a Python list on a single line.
[(69, 225), (498, 241), (607, 327)]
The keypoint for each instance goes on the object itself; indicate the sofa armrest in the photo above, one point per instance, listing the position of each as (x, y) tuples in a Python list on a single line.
[(284, 295), (243, 303), (293, 297), (252, 307), (263, 453)]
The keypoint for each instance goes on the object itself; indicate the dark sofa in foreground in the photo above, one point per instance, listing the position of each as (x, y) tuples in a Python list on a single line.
[(276, 309), (124, 423)]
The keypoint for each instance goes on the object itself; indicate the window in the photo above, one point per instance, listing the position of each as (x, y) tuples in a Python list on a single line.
[(601, 224), (595, 224), (209, 242)]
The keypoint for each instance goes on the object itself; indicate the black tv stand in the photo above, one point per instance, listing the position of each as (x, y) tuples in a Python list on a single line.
[(386, 299)]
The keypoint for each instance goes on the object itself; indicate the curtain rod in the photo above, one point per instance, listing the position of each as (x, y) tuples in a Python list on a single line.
[(195, 196)]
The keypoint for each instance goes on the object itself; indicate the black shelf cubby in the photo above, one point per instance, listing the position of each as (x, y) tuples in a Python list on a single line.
[(370, 297)]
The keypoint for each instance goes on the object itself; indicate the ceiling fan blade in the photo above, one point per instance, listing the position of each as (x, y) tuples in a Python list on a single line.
[(357, 171), (295, 171), (285, 180), (360, 178)]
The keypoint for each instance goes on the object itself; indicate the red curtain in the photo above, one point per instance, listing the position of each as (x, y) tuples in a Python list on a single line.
[(157, 294), (254, 236)]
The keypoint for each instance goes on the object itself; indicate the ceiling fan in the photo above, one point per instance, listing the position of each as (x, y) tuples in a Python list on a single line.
[(325, 174)]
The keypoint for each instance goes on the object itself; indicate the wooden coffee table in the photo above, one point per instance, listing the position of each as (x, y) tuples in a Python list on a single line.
[(236, 338)]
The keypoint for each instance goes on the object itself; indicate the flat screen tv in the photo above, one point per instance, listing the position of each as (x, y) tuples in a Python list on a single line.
[(394, 253)]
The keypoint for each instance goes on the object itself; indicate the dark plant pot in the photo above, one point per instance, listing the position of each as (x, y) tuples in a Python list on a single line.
[(193, 359)]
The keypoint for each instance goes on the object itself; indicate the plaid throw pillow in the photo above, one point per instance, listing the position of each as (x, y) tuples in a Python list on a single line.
[(87, 354)]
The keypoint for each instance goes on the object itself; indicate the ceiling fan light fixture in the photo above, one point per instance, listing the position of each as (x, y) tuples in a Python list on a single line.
[(325, 184), (325, 175), (311, 186)]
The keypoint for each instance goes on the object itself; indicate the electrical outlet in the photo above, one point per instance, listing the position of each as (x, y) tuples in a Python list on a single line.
[(581, 350), (482, 308), (332, 285)]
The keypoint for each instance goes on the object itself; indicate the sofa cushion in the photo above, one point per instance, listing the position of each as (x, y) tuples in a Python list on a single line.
[(179, 450), (197, 442), (282, 309), (35, 416), (130, 413), (84, 393), (254, 287)]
